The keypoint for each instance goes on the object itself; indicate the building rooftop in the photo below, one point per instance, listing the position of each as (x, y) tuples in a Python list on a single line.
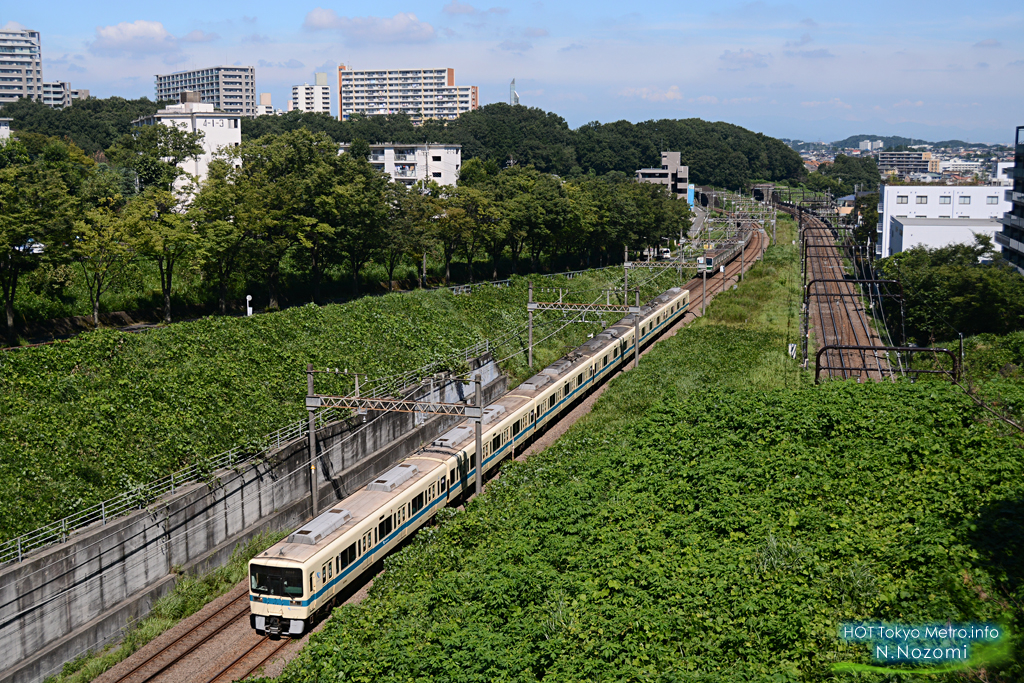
[(949, 222)]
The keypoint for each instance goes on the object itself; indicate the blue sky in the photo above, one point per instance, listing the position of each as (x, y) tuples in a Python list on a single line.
[(812, 71)]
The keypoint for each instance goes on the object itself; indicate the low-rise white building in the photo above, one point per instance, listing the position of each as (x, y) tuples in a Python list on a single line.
[(408, 164), (1001, 173), (960, 167), (219, 129), (949, 213), (938, 232), (5, 129)]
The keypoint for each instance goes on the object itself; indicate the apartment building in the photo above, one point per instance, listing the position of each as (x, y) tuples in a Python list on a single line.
[(5, 129), (672, 174), (21, 65), (936, 215), (231, 89), (418, 93), (312, 98), (220, 129), (1011, 237), (905, 163), (408, 164)]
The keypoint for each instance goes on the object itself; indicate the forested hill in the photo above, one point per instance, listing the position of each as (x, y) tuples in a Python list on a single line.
[(92, 124), (718, 153)]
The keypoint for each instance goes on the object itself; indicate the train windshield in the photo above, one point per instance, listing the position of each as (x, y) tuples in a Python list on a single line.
[(281, 581)]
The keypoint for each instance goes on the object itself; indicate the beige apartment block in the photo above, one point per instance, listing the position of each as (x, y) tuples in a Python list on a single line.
[(418, 93)]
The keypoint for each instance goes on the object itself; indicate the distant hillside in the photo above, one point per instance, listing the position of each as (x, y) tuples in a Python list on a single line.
[(896, 140)]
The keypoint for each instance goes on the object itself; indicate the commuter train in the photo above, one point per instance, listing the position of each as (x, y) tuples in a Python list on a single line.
[(298, 581)]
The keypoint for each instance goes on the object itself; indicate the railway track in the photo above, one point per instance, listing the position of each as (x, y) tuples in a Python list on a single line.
[(162, 662), (836, 312), (175, 660), (249, 661)]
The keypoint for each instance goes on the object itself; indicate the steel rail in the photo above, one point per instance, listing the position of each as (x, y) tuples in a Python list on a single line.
[(188, 633)]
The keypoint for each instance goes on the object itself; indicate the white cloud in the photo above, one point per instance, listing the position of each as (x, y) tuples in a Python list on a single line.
[(653, 94), (535, 32), (137, 38), (988, 42), (198, 36), (744, 59), (706, 99), (401, 28), (908, 103), (290, 64), (13, 26)]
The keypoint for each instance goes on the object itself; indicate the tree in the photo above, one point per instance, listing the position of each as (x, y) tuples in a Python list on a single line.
[(356, 206), (156, 152), (34, 208), (161, 230), (100, 245), (406, 220), (448, 224), (223, 237)]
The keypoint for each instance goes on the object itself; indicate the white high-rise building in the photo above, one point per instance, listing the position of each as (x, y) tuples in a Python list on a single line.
[(21, 65), (231, 89), (219, 129), (312, 98), (418, 93)]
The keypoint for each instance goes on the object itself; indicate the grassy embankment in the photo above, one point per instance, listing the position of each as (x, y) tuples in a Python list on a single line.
[(85, 420), (716, 517)]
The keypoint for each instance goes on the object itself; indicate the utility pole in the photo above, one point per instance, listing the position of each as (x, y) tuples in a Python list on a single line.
[(479, 436), (704, 290), (636, 332), (529, 315), (743, 256), (312, 441)]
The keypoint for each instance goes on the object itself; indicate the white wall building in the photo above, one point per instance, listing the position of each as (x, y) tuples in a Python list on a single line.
[(408, 164), (936, 215), (313, 98), (960, 167), (21, 65), (219, 129), (231, 89), (5, 129), (1001, 173)]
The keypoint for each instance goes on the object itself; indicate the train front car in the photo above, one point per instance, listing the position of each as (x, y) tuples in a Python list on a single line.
[(277, 595)]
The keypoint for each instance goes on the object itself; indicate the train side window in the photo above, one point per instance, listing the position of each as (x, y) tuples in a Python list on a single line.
[(443, 485), (495, 443), (579, 380), (472, 461), (385, 527), (516, 427), (451, 476), (312, 580), (337, 564)]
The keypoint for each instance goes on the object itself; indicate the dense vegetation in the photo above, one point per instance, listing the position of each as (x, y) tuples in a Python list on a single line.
[(717, 153), (93, 417), (963, 289), (284, 217), (93, 124), (714, 518), (844, 174)]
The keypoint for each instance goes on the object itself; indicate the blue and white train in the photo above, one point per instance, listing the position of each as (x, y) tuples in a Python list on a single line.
[(298, 581)]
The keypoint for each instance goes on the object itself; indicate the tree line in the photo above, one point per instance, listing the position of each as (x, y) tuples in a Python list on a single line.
[(718, 153), (291, 197)]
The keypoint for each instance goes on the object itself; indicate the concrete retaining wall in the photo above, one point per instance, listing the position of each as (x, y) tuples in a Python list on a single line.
[(78, 596)]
